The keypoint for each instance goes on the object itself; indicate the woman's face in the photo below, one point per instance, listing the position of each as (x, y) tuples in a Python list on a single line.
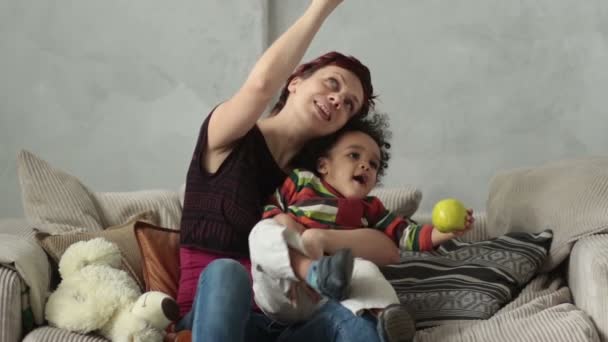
[(327, 99)]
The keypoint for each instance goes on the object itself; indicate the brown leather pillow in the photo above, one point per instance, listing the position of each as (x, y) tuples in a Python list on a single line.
[(160, 257)]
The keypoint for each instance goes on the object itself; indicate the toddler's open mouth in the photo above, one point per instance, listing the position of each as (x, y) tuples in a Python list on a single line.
[(361, 179)]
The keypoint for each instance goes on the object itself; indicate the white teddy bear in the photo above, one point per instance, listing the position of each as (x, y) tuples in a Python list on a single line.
[(95, 295)]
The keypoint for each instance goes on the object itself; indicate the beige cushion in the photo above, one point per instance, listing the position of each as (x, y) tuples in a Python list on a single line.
[(569, 197), (11, 325), (118, 207), (403, 201), (181, 193), (54, 201), (52, 334), (58, 203), (122, 235), (587, 278)]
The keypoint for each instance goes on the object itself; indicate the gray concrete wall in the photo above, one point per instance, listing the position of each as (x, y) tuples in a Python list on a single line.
[(476, 86), (114, 91)]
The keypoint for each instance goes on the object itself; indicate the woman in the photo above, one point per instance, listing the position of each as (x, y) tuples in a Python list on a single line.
[(238, 162)]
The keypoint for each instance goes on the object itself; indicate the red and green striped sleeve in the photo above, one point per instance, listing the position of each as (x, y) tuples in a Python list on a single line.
[(280, 200), (407, 234)]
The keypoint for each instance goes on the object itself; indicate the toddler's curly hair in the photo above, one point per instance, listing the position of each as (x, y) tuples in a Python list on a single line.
[(375, 125)]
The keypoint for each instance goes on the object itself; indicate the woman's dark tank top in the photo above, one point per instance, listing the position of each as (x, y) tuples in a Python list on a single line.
[(220, 209)]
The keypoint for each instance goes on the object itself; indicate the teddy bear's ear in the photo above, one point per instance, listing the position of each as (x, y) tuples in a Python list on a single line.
[(157, 308), (97, 251)]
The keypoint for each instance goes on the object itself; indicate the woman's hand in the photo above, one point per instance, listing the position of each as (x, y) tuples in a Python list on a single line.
[(330, 3), (287, 221), (233, 118), (313, 241), (325, 6)]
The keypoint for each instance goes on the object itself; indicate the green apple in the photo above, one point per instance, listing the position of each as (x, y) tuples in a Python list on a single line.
[(449, 215)]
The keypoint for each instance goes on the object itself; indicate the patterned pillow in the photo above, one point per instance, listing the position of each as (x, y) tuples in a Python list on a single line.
[(467, 281)]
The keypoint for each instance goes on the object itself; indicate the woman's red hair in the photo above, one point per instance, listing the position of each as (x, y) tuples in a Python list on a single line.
[(333, 58)]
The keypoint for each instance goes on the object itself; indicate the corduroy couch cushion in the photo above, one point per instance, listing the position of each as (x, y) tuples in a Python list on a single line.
[(570, 197)]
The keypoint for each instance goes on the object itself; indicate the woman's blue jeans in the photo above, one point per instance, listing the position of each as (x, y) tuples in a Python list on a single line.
[(221, 311)]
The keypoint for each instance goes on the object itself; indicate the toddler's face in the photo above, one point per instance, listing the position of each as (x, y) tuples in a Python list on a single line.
[(351, 166)]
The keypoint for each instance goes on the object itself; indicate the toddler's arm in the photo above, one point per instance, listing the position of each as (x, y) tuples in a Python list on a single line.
[(366, 243), (439, 237)]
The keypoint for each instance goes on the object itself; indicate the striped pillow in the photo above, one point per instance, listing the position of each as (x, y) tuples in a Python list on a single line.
[(118, 207), (467, 281), (54, 201), (58, 203)]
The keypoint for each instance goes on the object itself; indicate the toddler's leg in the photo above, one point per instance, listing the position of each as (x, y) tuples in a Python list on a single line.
[(268, 246), (371, 291), (396, 324), (329, 275), (275, 284)]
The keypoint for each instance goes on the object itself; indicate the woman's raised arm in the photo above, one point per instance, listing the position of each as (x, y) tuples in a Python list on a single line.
[(235, 117)]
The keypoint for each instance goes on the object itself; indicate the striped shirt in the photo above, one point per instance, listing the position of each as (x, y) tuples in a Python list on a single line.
[(315, 204)]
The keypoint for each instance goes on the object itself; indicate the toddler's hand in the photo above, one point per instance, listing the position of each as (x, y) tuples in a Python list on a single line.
[(468, 225), (439, 237)]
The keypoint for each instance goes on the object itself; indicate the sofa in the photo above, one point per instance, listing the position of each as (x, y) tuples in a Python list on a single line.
[(565, 301)]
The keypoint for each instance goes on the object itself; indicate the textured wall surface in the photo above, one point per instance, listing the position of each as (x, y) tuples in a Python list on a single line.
[(476, 86), (114, 91)]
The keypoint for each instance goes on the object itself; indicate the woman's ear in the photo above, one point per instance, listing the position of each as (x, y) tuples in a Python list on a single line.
[(293, 84), (322, 165)]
